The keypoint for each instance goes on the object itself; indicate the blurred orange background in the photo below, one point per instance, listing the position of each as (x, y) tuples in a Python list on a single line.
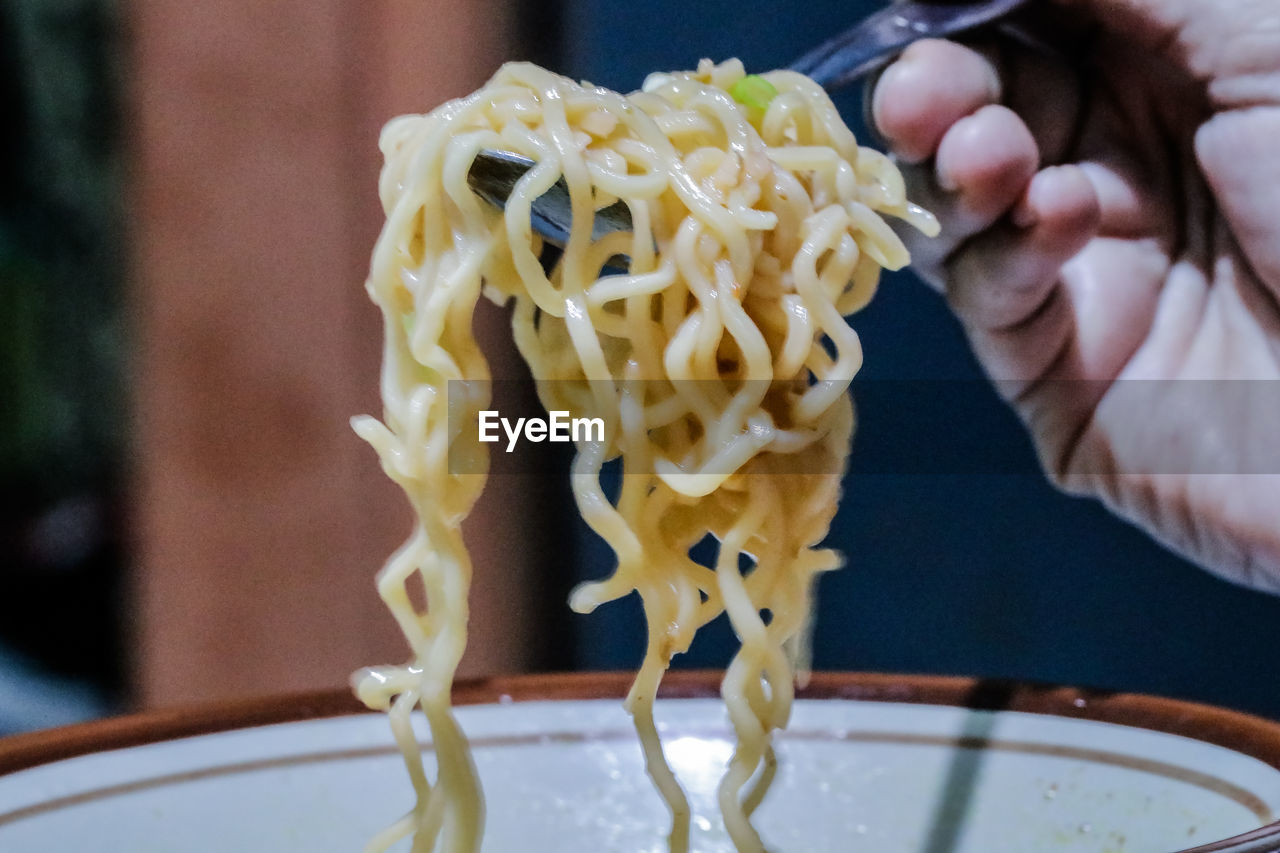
[(259, 518)]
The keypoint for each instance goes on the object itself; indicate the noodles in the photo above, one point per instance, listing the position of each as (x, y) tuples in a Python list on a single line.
[(719, 362)]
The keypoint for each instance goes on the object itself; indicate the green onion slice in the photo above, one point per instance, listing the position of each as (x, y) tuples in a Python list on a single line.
[(754, 91)]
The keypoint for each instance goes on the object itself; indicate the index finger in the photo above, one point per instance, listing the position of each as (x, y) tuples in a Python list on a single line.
[(929, 88)]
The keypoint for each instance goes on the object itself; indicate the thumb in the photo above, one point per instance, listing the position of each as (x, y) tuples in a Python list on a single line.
[(1240, 159), (1233, 47), (1211, 39)]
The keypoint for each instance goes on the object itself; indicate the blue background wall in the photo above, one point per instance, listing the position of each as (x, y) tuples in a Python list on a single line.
[(958, 569)]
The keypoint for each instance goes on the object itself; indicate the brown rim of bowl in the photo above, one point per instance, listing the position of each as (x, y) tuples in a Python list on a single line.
[(1239, 732)]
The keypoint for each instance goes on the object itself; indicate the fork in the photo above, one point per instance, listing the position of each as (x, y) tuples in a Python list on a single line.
[(835, 64)]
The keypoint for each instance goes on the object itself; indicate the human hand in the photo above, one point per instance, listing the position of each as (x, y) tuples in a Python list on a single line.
[(1111, 222)]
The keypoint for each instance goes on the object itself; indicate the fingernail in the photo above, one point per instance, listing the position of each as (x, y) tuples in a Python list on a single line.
[(945, 180), (995, 87), (1024, 215)]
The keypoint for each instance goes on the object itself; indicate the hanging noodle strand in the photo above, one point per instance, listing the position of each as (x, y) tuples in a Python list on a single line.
[(719, 360)]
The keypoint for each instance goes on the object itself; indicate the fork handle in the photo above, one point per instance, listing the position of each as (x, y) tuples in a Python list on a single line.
[(870, 44)]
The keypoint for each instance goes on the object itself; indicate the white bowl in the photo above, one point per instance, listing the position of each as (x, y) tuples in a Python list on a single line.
[(874, 763)]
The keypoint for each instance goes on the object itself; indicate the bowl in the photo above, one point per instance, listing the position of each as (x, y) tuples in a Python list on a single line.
[(870, 762)]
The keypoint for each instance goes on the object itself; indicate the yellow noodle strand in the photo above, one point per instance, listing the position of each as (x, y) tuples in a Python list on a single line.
[(719, 359)]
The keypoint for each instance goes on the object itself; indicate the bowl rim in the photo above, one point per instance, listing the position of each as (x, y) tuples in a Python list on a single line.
[(1240, 732)]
